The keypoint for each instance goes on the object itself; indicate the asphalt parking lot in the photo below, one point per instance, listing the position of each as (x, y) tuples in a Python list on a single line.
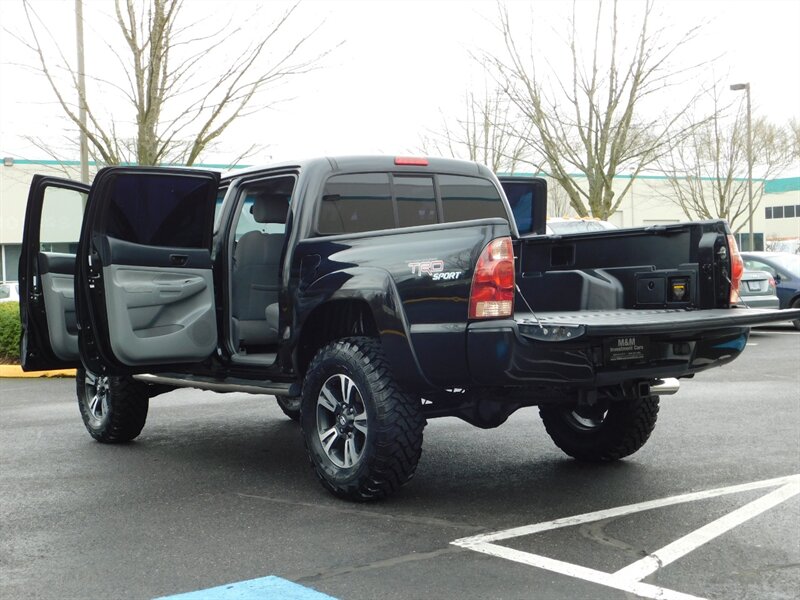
[(217, 490)]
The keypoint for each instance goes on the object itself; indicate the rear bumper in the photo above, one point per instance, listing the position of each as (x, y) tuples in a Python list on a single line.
[(678, 344), (499, 355)]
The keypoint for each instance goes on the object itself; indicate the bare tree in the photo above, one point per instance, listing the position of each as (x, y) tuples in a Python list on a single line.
[(794, 132), (588, 119), (174, 91), (482, 133), (558, 203), (708, 172)]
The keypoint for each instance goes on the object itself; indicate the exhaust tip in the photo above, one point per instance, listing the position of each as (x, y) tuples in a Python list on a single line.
[(665, 387)]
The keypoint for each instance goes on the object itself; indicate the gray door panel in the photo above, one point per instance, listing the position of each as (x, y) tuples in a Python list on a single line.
[(144, 280), (53, 219), (59, 298), (157, 314)]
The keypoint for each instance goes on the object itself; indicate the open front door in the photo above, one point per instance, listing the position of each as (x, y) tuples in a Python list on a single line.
[(47, 272), (145, 286)]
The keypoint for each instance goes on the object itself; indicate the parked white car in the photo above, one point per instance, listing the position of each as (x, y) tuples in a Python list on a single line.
[(561, 225), (9, 291)]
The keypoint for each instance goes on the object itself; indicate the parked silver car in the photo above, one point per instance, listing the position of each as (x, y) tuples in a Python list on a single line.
[(757, 290)]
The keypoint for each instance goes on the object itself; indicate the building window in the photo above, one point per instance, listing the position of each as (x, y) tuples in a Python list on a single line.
[(768, 212)]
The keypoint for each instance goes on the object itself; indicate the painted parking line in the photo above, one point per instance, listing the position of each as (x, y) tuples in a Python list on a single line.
[(264, 588), (629, 578)]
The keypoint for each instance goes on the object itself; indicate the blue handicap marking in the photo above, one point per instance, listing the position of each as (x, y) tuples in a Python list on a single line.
[(264, 588)]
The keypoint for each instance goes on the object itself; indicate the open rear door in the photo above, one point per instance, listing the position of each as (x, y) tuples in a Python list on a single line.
[(528, 199), (145, 285), (50, 237)]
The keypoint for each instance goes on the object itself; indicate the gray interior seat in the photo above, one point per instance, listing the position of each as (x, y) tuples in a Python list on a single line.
[(256, 276)]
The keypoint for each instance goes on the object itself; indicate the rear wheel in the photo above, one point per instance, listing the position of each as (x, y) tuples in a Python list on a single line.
[(114, 409), (290, 406), (363, 434), (796, 322), (607, 431)]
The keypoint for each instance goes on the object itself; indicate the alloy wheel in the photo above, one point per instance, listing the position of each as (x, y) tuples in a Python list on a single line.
[(341, 421)]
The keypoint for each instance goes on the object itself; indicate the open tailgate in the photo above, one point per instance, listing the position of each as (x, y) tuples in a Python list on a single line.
[(630, 321)]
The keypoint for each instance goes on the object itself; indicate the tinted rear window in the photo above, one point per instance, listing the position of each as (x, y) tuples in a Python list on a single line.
[(467, 198), (355, 203), (416, 201), (361, 202)]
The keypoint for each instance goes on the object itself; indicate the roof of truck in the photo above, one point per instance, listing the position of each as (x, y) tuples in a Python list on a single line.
[(370, 163)]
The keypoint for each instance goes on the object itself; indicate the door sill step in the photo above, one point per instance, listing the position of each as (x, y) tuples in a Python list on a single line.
[(222, 385)]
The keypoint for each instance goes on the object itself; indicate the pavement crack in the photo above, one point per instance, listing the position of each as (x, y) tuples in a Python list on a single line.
[(596, 532), (378, 564), (348, 510)]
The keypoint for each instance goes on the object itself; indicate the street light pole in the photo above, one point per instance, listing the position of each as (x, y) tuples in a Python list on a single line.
[(746, 87), (84, 145)]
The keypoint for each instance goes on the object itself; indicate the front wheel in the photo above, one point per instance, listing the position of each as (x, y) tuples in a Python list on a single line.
[(363, 434), (796, 322), (114, 409), (607, 431)]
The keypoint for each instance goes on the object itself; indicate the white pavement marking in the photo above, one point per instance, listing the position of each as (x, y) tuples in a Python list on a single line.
[(672, 552), (621, 511), (644, 590), (629, 578)]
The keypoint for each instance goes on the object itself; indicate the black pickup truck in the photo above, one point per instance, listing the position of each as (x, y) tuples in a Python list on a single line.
[(369, 294)]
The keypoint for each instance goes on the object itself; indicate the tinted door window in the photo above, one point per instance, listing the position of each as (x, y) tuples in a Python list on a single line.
[(467, 198), (520, 197), (159, 210), (416, 201), (355, 203)]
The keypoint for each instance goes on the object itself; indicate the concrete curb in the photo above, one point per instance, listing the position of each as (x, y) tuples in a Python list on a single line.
[(15, 371)]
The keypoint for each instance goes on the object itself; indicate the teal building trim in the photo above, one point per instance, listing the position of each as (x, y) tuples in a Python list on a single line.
[(779, 186), (92, 163)]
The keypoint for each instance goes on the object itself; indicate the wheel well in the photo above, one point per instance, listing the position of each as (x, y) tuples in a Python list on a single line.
[(331, 321)]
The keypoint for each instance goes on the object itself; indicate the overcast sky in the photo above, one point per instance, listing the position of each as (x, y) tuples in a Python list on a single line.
[(401, 65)]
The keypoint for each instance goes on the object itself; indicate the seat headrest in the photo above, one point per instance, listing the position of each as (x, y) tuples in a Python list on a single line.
[(270, 209)]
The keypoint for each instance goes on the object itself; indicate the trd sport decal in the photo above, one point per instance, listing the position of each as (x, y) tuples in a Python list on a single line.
[(434, 269)]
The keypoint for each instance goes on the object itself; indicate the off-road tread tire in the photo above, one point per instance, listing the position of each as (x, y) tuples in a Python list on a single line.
[(127, 410), (395, 422), (292, 413), (626, 428)]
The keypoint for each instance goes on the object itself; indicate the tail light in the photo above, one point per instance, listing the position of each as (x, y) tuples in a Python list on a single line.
[(737, 268), (492, 293)]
